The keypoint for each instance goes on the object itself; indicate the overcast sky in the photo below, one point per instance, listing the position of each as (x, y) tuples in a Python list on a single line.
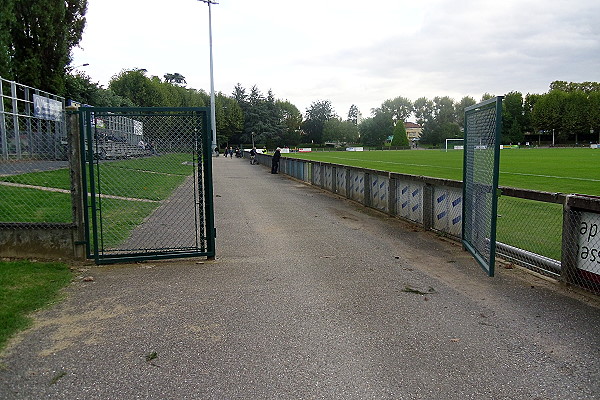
[(349, 51)]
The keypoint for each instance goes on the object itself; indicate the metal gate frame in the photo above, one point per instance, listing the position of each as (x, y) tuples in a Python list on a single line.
[(482, 245), (203, 161)]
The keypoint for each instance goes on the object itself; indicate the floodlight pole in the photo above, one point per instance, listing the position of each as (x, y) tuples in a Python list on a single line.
[(213, 118)]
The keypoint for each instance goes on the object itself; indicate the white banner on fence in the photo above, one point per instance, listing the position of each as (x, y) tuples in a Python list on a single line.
[(304, 150), (354, 149), (46, 108), (588, 258)]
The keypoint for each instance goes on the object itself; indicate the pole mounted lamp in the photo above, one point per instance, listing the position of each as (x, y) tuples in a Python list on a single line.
[(213, 118)]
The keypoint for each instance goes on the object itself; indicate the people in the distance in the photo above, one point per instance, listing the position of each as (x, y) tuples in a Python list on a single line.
[(275, 161)]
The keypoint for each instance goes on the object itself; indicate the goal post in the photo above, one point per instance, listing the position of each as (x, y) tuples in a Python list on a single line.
[(459, 144)]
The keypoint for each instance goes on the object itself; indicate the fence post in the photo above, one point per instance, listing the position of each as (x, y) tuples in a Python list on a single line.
[(334, 179), (367, 195), (392, 201), (428, 207), (77, 190)]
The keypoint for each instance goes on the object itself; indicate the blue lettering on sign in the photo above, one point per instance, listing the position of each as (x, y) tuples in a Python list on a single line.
[(404, 204), (415, 207), (382, 185), (456, 220), (456, 202), (441, 215), (416, 192), (404, 189), (441, 198)]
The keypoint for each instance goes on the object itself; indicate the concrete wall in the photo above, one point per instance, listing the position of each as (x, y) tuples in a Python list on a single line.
[(39, 240)]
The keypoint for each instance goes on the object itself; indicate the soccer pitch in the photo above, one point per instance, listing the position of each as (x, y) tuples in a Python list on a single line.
[(563, 170)]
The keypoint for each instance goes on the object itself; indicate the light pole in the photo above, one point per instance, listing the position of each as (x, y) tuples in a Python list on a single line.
[(213, 118)]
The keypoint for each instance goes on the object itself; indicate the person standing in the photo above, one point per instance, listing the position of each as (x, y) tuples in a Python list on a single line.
[(253, 156), (275, 161)]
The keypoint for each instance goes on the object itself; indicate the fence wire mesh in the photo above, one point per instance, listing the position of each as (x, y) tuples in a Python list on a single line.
[(529, 233), (35, 183), (480, 181), (148, 180)]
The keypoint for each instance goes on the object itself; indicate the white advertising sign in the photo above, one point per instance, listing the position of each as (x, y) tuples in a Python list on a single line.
[(46, 108), (588, 257)]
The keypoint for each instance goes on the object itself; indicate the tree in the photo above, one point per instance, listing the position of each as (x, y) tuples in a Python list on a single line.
[(487, 96), (41, 36), (338, 131), (594, 114), (229, 118), (547, 113), (374, 131), (399, 108), (175, 78), (316, 116), (512, 118), (80, 88), (423, 109), (465, 102), (575, 117), (444, 110), (353, 114), (400, 138), (292, 120), (137, 87)]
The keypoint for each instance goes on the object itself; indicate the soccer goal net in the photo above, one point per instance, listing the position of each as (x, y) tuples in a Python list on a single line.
[(455, 144)]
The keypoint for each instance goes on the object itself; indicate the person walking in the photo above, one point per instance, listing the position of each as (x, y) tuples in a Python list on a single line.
[(275, 161), (253, 156)]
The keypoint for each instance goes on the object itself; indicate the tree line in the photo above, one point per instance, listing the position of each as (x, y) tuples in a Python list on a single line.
[(35, 49)]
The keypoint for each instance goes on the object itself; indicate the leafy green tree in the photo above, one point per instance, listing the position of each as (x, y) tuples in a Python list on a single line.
[(316, 116), (399, 108), (512, 118), (292, 120), (423, 109), (7, 19), (230, 119), (594, 115), (528, 104), (175, 78), (576, 115), (338, 131), (353, 114), (444, 110), (400, 137), (374, 131), (487, 96), (465, 102), (41, 36), (80, 88), (137, 87), (547, 113)]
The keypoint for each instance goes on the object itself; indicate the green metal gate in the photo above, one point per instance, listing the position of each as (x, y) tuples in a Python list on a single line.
[(483, 126), (149, 181)]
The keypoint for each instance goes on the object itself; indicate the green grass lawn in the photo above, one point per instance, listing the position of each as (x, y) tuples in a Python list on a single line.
[(26, 286), (569, 170), (149, 178), (530, 225)]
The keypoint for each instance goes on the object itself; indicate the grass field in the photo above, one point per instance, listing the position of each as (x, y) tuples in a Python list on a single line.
[(150, 178), (26, 286), (529, 225), (569, 170)]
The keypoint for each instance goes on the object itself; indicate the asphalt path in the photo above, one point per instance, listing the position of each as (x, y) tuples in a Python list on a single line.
[(311, 296)]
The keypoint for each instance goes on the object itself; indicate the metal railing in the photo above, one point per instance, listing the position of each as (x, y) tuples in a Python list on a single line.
[(554, 234)]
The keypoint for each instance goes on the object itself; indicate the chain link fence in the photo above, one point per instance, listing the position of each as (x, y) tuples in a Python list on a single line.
[(35, 184), (147, 173)]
